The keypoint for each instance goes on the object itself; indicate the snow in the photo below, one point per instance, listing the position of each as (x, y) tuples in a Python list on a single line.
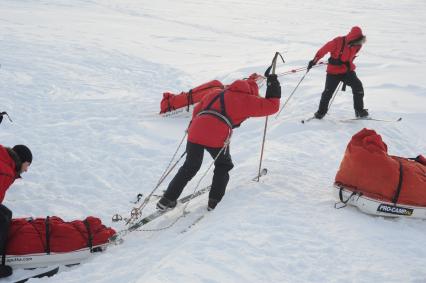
[(82, 81)]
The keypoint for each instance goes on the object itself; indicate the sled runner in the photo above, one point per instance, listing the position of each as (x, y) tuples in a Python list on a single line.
[(378, 183), (43, 259), (376, 207), (49, 241)]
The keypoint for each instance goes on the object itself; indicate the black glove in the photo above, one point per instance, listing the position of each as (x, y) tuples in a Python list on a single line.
[(268, 71), (273, 89), (311, 64)]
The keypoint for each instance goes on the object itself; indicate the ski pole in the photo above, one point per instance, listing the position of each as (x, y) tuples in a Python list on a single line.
[(334, 95), (273, 65), (294, 90)]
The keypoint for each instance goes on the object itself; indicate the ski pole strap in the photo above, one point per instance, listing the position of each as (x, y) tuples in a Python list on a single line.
[(398, 188), (47, 248), (4, 114)]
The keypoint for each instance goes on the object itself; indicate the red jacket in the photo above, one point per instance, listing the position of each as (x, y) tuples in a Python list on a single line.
[(242, 101), (348, 55), (7, 172)]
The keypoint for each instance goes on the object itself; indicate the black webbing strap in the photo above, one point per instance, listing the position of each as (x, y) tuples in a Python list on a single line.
[(213, 101), (47, 248), (338, 61), (189, 99), (169, 107), (89, 234), (399, 187), (222, 103), (341, 49), (222, 114)]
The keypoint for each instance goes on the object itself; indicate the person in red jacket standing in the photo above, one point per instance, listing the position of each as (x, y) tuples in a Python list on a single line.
[(341, 68), (213, 119), (13, 162)]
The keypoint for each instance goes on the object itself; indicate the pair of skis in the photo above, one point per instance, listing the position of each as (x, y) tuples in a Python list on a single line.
[(118, 237), (303, 121)]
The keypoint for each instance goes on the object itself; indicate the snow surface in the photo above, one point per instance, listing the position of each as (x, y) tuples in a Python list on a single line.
[(82, 81)]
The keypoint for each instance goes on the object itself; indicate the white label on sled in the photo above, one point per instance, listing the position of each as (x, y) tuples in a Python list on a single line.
[(395, 210)]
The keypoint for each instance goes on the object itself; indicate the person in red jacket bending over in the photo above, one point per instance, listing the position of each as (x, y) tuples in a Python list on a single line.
[(13, 162), (343, 50), (213, 119)]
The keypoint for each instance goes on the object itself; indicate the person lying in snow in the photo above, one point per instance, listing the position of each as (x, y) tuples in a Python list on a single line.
[(13, 162), (213, 119), (343, 50)]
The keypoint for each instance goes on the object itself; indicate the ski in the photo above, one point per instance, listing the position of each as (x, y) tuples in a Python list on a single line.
[(263, 172), (117, 238), (198, 219), (371, 119), (303, 121), (44, 273)]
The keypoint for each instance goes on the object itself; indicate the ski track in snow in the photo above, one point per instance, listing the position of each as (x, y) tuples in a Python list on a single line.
[(82, 81)]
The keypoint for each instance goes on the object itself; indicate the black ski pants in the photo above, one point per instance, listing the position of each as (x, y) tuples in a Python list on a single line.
[(194, 159), (331, 83), (5, 219)]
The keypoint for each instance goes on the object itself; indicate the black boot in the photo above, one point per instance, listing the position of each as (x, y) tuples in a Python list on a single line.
[(361, 113), (212, 204), (319, 115), (166, 204), (5, 271)]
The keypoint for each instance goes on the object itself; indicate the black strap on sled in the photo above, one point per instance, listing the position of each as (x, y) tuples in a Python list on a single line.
[(189, 99), (344, 202), (398, 188), (222, 114), (47, 222), (89, 234)]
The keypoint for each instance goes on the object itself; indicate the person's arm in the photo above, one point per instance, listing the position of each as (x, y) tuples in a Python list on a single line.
[(256, 106), (328, 47)]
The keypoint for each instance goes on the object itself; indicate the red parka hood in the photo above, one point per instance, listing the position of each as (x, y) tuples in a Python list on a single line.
[(354, 34), (5, 157), (245, 86)]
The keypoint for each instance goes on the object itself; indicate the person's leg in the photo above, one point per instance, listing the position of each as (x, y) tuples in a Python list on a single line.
[(194, 159), (331, 83), (222, 166), (5, 219), (355, 83)]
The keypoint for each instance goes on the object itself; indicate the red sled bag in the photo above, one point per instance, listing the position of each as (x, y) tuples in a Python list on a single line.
[(367, 168), (172, 101), (421, 159), (52, 234)]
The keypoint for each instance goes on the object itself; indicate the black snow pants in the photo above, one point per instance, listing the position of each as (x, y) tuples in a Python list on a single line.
[(331, 83), (194, 159), (5, 219)]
